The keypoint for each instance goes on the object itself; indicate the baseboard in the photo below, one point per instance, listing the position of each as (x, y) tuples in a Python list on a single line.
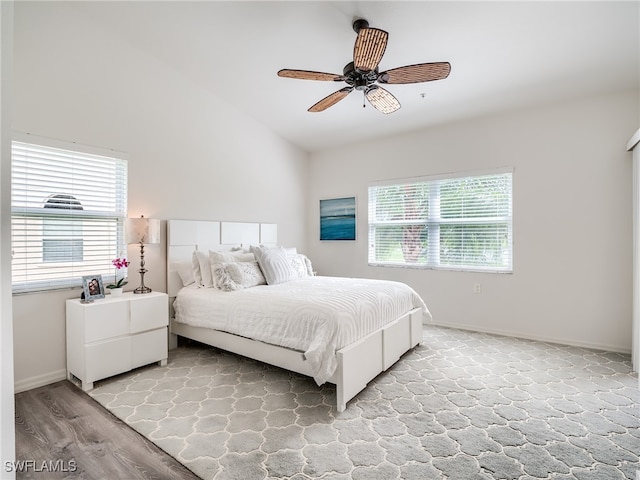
[(39, 381), (538, 338)]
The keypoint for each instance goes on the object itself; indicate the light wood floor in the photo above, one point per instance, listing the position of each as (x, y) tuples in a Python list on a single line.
[(62, 433)]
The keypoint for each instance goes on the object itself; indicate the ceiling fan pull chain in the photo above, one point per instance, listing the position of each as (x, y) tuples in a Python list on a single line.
[(364, 98)]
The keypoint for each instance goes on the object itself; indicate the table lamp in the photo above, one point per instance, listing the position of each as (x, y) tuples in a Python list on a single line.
[(142, 231)]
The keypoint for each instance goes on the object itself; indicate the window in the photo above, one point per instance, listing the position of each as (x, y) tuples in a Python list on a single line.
[(68, 208), (462, 223)]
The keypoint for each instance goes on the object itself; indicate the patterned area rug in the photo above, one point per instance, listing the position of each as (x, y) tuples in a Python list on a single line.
[(460, 406)]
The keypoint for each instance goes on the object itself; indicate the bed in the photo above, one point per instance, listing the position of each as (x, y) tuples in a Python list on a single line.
[(322, 327)]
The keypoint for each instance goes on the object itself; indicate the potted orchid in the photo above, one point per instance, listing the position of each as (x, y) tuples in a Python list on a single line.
[(116, 288)]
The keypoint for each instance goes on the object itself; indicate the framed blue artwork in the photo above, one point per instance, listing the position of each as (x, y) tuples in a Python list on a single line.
[(338, 219)]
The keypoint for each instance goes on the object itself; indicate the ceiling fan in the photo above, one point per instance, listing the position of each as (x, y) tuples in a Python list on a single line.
[(362, 74)]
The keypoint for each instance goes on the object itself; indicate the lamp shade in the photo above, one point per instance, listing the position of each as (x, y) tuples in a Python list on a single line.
[(142, 230)]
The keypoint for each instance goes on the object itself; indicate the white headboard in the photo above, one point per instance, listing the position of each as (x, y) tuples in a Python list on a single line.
[(185, 236)]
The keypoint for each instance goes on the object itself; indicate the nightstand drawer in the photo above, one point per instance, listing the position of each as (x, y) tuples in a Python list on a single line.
[(149, 347), (104, 359), (148, 312), (106, 320)]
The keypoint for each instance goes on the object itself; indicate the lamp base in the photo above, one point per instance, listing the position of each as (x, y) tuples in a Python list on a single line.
[(142, 289)]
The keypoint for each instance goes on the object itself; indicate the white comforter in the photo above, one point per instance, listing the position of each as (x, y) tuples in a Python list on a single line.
[(316, 315)]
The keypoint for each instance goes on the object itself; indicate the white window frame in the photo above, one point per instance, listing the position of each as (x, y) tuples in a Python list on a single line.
[(94, 181), (431, 222)]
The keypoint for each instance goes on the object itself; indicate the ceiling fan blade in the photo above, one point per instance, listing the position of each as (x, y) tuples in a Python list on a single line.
[(330, 100), (310, 75), (369, 48), (421, 72), (382, 100)]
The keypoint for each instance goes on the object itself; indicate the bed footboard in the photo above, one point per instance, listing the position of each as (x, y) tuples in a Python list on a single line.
[(362, 361), (358, 364)]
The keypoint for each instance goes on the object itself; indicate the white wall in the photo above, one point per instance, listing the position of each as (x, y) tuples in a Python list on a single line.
[(571, 280), (7, 418), (191, 154)]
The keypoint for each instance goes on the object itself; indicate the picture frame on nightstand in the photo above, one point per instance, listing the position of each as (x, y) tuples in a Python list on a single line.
[(92, 288)]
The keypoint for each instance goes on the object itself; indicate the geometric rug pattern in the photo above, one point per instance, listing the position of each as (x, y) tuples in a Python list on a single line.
[(460, 406)]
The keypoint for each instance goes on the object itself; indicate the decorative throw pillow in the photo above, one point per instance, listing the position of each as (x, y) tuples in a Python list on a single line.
[(309, 266), (275, 264), (227, 257), (231, 276), (300, 265)]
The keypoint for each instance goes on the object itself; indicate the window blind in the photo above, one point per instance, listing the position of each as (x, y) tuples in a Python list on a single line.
[(462, 222), (67, 215)]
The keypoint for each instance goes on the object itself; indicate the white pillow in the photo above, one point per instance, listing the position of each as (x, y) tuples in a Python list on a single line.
[(202, 263), (185, 272), (227, 257), (307, 262), (205, 269), (230, 276), (239, 256), (275, 264), (289, 250), (195, 265), (301, 265)]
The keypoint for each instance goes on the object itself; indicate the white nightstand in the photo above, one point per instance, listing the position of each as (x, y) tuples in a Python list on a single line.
[(115, 334)]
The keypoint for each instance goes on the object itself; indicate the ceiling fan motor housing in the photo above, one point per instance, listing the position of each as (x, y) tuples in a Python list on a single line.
[(357, 79)]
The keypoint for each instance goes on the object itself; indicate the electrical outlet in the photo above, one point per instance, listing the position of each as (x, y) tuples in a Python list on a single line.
[(477, 288)]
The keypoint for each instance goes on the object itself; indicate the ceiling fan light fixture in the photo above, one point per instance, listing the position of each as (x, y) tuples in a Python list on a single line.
[(382, 100)]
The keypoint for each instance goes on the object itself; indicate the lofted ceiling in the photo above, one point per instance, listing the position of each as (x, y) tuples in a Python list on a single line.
[(504, 55)]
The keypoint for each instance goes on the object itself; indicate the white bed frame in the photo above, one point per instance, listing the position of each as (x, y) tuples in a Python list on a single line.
[(358, 363)]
